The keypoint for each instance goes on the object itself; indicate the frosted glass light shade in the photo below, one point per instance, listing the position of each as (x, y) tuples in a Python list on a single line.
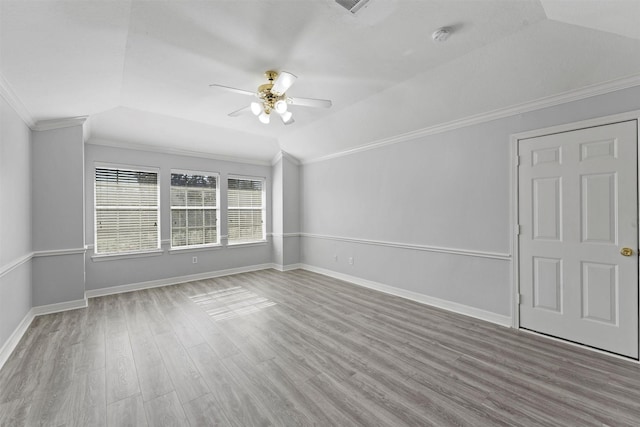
[(286, 116), (281, 106), (264, 118), (256, 108)]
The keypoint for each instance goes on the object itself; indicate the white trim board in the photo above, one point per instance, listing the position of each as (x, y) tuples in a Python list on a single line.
[(13, 340), (9, 95), (538, 104), (8, 268), (59, 307), (415, 247), (43, 125), (284, 155), (455, 307), (175, 151), (284, 235), (288, 267), (59, 252), (93, 293)]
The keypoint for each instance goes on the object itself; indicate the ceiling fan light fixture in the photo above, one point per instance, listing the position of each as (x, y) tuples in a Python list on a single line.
[(256, 108), (272, 97), (281, 106), (264, 118), (287, 117)]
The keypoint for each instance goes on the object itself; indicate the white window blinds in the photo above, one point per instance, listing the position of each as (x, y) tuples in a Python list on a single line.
[(194, 209), (126, 209), (246, 210)]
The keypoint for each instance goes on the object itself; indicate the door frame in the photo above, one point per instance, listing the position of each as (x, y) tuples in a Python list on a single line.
[(514, 202)]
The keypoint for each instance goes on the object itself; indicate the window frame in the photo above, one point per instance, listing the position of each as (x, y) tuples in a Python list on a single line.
[(216, 208), (263, 180), (157, 250)]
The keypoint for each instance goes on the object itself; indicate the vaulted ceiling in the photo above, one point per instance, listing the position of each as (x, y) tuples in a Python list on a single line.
[(141, 69)]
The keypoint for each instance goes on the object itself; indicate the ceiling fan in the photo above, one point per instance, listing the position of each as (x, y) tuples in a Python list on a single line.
[(272, 97)]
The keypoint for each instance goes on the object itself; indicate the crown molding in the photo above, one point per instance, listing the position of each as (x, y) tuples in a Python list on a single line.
[(538, 104), (12, 99), (284, 155), (175, 151), (67, 122)]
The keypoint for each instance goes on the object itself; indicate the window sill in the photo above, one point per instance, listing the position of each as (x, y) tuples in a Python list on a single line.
[(245, 244), (126, 255), (186, 249)]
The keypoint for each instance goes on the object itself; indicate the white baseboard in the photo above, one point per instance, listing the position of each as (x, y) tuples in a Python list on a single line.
[(11, 344), (455, 307), (93, 293), (15, 337), (61, 306), (288, 267)]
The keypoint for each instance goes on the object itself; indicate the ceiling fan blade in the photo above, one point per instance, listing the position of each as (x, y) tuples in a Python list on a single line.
[(310, 102), (233, 89), (283, 83), (240, 111)]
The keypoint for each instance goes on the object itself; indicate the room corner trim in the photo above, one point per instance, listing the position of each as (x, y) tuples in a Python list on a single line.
[(455, 307), (66, 122), (415, 247), (15, 103), (284, 155), (538, 104), (288, 267), (59, 307), (11, 343)]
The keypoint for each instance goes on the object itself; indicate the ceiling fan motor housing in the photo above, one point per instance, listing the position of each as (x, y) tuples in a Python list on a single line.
[(268, 98)]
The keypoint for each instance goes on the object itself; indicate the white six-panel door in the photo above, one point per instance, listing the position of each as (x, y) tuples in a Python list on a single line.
[(578, 209)]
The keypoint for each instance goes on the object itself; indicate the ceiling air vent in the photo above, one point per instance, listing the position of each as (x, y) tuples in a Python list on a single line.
[(352, 5)]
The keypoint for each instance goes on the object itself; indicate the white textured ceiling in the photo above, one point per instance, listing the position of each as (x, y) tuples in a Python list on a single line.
[(141, 69)]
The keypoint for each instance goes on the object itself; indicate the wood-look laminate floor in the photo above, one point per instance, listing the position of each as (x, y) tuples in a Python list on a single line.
[(297, 348)]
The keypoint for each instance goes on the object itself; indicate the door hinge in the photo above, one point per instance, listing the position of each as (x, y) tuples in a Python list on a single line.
[(518, 299), (518, 160), (518, 229)]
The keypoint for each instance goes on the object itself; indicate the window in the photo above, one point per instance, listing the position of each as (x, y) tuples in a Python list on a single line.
[(194, 209), (246, 209), (126, 209)]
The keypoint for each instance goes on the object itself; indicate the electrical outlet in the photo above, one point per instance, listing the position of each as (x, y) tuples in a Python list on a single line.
[(194, 260), (350, 260)]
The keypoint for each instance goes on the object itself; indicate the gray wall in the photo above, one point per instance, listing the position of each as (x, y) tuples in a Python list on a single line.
[(15, 220), (58, 215), (383, 206), (111, 272)]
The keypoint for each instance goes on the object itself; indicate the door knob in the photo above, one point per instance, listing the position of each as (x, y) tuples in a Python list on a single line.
[(626, 251)]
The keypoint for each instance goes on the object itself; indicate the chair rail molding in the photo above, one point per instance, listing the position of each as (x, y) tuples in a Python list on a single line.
[(415, 247)]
